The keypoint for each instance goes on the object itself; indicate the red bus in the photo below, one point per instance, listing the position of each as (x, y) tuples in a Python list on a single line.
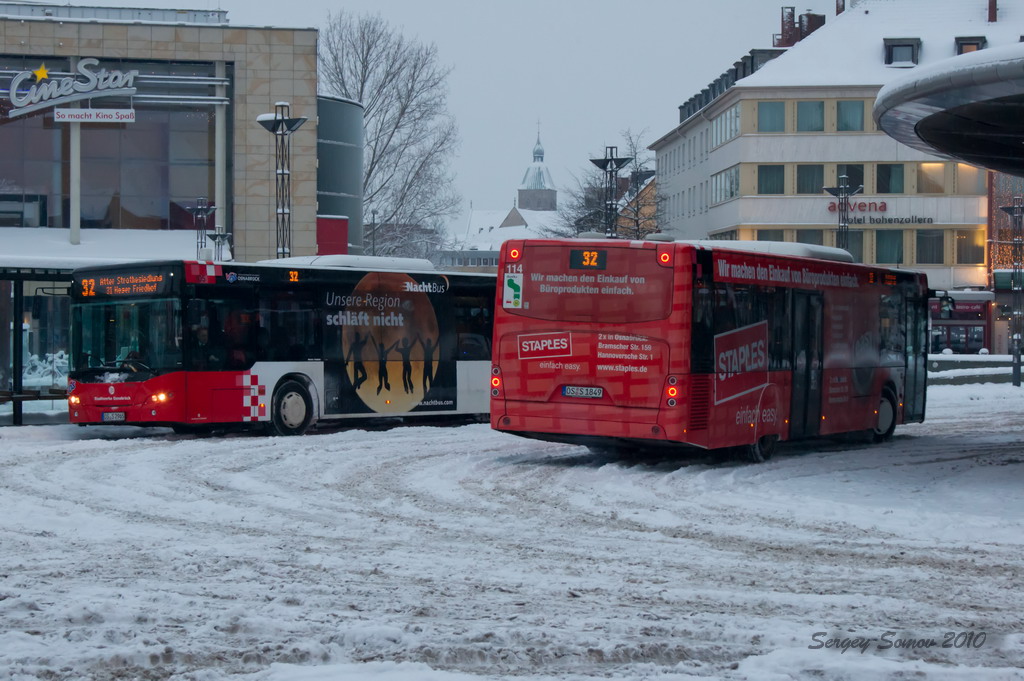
[(711, 344), (282, 344)]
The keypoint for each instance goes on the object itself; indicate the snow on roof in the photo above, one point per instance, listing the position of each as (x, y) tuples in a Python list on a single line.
[(50, 248), (484, 233), (850, 50)]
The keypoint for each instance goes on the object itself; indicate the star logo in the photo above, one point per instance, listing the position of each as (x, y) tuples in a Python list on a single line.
[(41, 73)]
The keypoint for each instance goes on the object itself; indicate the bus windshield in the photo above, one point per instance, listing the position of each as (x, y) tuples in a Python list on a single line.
[(142, 334)]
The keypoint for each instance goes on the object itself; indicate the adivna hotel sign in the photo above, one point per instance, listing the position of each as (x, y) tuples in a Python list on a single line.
[(32, 91)]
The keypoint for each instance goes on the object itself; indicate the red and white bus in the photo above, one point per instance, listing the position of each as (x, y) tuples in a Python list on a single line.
[(282, 344), (712, 344)]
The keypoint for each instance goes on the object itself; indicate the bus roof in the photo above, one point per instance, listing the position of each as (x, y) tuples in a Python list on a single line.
[(788, 248), (357, 262)]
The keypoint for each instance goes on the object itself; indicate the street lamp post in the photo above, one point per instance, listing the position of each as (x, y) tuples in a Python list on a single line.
[(843, 193), (282, 125), (1016, 213), (611, 164), (373, 234), (200, 214)]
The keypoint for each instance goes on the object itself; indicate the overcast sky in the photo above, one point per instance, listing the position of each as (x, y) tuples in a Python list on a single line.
[(586, 69)]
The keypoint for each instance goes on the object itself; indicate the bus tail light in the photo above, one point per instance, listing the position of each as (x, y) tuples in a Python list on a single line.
[(515, 251), (495, 382), (665, 256), (672, 391)]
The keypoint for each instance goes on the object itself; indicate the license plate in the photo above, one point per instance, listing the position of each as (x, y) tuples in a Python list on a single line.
[(582, 391), (113, 416)]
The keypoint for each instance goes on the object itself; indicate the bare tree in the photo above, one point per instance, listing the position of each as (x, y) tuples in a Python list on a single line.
[(638, 215), (584, 209), (410, 137)]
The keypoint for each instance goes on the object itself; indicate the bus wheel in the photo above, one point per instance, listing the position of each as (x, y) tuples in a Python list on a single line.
[(886, 422), (292, 409), (762, 450)]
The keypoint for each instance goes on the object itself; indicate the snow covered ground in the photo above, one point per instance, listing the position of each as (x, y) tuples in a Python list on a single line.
[(450, 554)]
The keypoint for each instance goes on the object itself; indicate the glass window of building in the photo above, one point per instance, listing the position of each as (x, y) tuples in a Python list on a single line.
[(970, 44), (810, 116), (771, 179), (889, 178), (931, 178), (889, 246), (811, 236), (770, 235), (139, 175), (902, 52), (725, 126), (771, 116), (970, 246), (855, 244), (725, 185), (850, 115), (970, 180), (854, 174), (810, 178), (929, 247)]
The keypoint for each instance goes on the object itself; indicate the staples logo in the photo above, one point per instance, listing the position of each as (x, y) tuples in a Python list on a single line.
[(741, 361), (538, 345)]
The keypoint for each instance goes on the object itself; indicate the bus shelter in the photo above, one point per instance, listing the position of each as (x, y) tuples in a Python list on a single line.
[(34, 344)]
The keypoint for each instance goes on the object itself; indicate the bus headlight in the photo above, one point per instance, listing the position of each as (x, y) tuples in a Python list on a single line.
[(74, 399)]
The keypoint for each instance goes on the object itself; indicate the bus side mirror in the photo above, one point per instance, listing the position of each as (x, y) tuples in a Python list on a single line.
[(946, 307)]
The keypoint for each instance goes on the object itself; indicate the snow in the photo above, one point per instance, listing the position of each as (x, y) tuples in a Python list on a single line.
[(27, 247), (449, 554), (861, 30)]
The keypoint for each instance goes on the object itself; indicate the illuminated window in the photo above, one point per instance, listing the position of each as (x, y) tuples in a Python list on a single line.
[(970, 44), (970, 180), (970, 246), (931, 178)]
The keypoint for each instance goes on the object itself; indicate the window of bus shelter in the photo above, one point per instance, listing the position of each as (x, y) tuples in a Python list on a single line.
[(46, 329)]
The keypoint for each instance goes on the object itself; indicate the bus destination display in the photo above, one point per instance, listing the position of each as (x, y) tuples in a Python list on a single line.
[(587, 259), (145, 283)]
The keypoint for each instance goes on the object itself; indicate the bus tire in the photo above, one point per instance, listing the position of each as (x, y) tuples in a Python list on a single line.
[(886, 422), (291, 409), (761, 450)]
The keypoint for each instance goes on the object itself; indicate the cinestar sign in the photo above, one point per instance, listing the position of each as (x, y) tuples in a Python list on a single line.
[(88, 83)]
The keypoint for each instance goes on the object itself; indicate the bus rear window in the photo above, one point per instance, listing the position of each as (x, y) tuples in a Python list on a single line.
[(610, 284)]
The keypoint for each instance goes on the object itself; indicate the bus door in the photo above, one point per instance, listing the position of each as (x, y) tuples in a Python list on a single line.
[(805, 404), (916, 346)]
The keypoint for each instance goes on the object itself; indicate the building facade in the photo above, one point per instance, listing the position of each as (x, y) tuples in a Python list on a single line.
[(122, 127), (754, 160)]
